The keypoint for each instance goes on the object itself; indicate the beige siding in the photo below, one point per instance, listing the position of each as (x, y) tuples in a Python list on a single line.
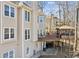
[(8, 22), (0, 22), (19, 32), (7, 47)]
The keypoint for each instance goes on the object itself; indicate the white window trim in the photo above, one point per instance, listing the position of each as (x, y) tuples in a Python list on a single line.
[(8, 53), (14, 11), (27, 16), (4, 33), (24, 16), (9, 34), (4, 9), (28, 50), (9, 10), (30, 33)]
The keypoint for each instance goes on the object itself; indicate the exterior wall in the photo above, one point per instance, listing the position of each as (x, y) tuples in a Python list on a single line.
[(0, 22), (22, 24), (41, 25), (47, 24), (51, 23), (19, 44), (8, 22), (19, 32)]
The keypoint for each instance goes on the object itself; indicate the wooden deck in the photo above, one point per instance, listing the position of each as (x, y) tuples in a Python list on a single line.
[(48, 38), (53, 37)]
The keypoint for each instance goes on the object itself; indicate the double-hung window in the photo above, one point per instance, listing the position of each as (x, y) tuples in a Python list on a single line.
[(9, 54), (6, 10), (34, 52), (26, 37), (26, 15), (5, 55), (12, 33), (27, 34), (12, 12), (9, 11), (27, 50), (6, 33)]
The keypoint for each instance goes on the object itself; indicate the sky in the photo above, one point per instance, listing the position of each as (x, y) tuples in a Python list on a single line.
[(52, 7)]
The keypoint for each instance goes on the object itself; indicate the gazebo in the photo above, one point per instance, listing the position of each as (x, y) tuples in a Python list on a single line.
[(66, 35), (65, 31)]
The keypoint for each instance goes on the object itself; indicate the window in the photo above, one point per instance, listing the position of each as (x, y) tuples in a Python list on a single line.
[(5, 55), (12, 12), (6, 33), (12, 33), (27, 34), (27, 50), (40, 20), (40, 32), (34, 52), (6, 10), (9, 11), (9, 54), (26, 15)]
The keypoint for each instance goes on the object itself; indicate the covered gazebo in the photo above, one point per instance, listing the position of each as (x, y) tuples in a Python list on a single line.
[(65, 31), (67, 36)]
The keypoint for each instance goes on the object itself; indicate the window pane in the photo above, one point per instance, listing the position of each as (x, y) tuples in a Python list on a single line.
[(6, 30), (6, 36), (26, 37), (6, 10), (12, 12), (11, 54), (6, 33), (41, 20), (26, 15), (27, 50), (28, 34), (33, 52), (5, 55), (12, 33)]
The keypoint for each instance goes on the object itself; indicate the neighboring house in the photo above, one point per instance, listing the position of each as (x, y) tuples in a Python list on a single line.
[(41, 20), (51, 23), (41, 24), (19, 26)]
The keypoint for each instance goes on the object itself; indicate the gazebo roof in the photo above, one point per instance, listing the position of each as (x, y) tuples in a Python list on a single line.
[(66, 27)]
